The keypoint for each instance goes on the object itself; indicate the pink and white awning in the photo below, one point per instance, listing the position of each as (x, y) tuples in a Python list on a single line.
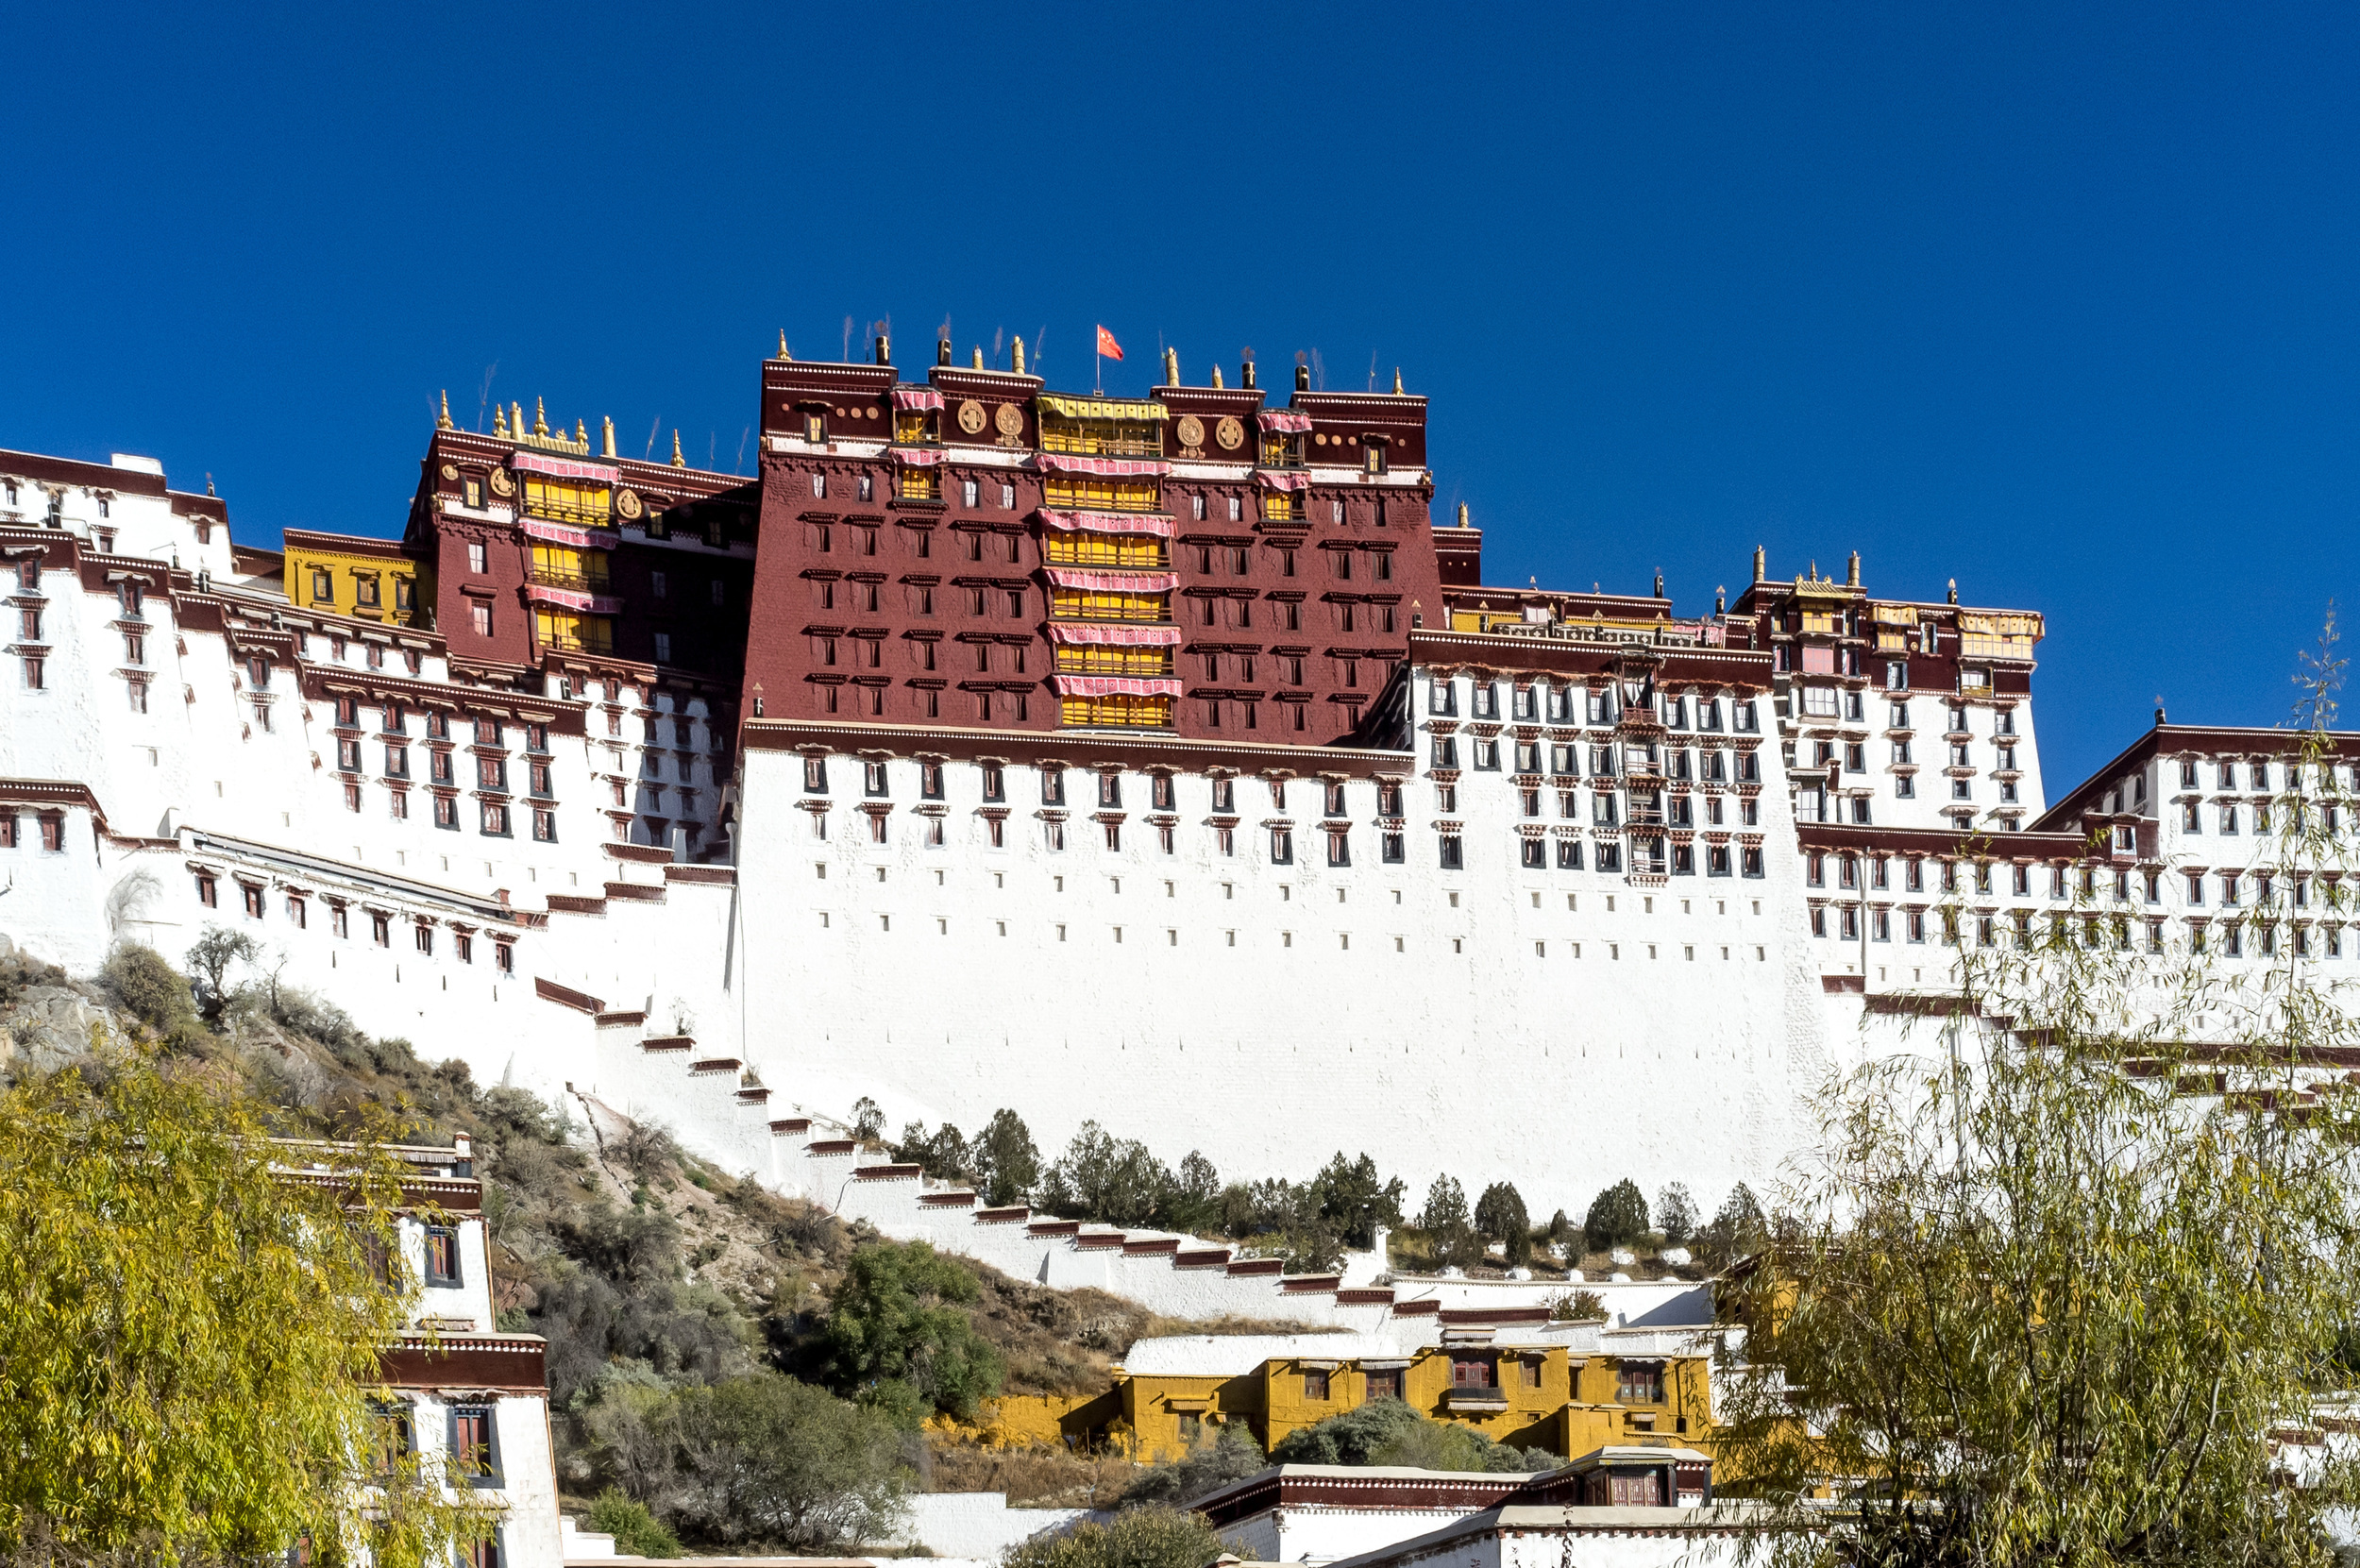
[(1282, 422), (918, 399), (1114, 582), (1157, 523), (566, 533), (916, 457), (1111, 467), (558, 468), (1113, 685), (1117, 636), (565, 598), (1282, 481)]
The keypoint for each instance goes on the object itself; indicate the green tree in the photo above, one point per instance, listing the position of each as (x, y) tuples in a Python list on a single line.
[(1005, 1162), (868, 1123), (210, 962), (1445, 1210), (1617, 1217), (1115, 1181), (764, 1458), (1388, 1431), (1675, 1214), (190, 1341), (153, 991), (2027, 1307), (1499, 1216), (1228, 1454), (1355, 1200), (1193, 1201), (1737, 1229), (898, 1322), (1152, 1537)]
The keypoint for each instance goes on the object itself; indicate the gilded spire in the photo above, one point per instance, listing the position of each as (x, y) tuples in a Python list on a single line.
[(1171, 366), (581, 435), (1016, 355), (540, 418), (1762, 563), (442, 420), (1851, 575), (609, 449), (677, 461), (516, 421), (782, 353), (1396, 381), (1216, 376), (499, 422), (1462, 513), (979, 355)]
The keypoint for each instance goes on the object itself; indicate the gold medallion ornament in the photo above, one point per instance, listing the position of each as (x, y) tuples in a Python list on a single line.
[(627, 503), (450, 470), (971, 417), (501, 483), (1192, 431), (1010, 419), (1230, 433)]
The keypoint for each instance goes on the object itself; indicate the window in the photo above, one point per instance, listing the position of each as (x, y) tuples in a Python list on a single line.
[(479, 618), (544, 825), (495, 821), (471, 1444), (323, 582), (1470, 1371), (1315, 1385), (1533, 853), (1453, 852), (1282, 846)]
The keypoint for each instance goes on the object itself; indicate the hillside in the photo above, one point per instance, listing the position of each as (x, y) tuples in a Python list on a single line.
[(647, 1271)]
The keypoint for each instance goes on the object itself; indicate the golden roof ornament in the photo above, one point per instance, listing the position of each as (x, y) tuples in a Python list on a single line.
[(677, 461), (782, 353), (1016, 355), (1171, 366), (609, 449), (516, 421), (1761, 565), (442, 420), (1462, 513), (1954, 590), (499, 423), (979, 355), (1217, 382), (540, 418), (581, 434), (1398, 380), (1851, 576)]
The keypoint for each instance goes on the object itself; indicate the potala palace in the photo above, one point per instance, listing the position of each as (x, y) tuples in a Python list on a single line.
[(1164, 761)]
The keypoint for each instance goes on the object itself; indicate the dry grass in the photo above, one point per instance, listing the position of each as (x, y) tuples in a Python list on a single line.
[(1037, 1477)]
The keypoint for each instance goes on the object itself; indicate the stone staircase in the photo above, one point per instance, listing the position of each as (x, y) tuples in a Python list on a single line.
[(708, 1105)]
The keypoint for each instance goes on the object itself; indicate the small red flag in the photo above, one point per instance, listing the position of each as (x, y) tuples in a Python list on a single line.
[(1107, 345)]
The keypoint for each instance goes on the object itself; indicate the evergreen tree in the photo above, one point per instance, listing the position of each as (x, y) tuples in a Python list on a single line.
[(1499, 1216), (1675, 1214), (1354, 1201), (1618, 1217), (1006, 1164)]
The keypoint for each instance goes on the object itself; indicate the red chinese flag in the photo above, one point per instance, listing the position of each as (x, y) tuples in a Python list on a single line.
[(1107, 345)]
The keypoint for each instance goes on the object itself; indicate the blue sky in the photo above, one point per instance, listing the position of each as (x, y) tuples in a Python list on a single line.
[(2060, 302)]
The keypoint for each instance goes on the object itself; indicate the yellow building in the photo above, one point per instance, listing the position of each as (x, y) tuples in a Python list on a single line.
[(349, 575), (1564, 1388)]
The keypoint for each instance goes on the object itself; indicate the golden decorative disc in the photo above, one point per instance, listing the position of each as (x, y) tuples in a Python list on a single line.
[(971, 417), (1230, 433), (627, 503), (501, 483), (450, 470), (1192, 431), (1010, 419)]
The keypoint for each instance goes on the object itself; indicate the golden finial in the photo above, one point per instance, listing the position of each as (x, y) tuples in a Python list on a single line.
[(1761, 565), (1851, 574), (1396, 381), (581, 435), (1217, 377), (678, 461), (516, 421), (1016, 355), (499, 423), (540, 418), (608, 448), (782, 353), (979, 355), (1462, 513), (1171, 366), (442, 421)]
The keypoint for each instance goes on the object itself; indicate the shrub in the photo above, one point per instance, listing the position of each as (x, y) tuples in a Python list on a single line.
[(1151, 1537), (900, 1315), (1618, 1217), (1388, 1431), (1230, 1455), (636, 1532), (151, 989)]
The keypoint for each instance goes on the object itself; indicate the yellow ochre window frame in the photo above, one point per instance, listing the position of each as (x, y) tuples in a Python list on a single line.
[(568, 501), (1126, 552), (1116, 712), (1108, 659), (572, 633), (1094, 604), (1097, 492)]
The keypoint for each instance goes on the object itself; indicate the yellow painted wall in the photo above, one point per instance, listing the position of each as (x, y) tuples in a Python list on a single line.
[(1570, 1410), (401, 596)]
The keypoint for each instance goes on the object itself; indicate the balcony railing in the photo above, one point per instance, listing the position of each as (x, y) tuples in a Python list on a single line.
[(567, 642), (557, 577)]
